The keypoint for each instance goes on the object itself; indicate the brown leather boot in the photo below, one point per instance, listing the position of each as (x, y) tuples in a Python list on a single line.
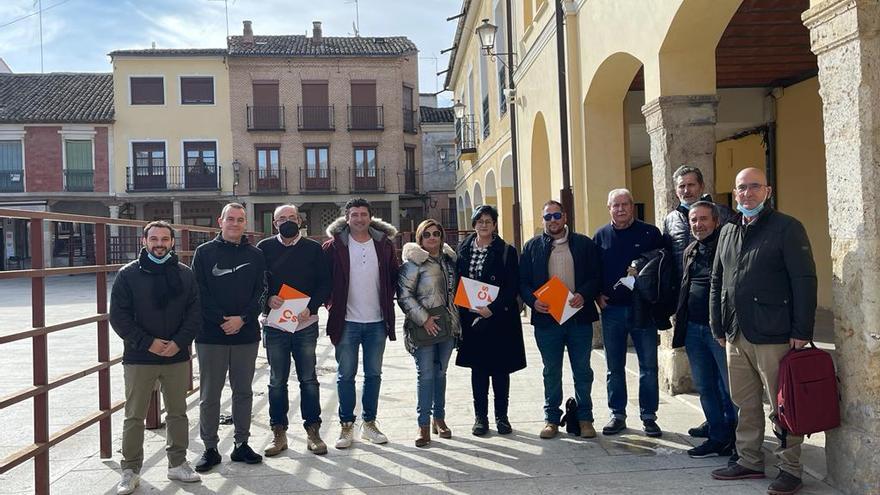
[(424, 438), (279, 441), (314, 442), (439, 427)]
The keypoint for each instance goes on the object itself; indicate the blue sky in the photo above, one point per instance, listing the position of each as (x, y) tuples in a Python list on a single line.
[(78, 34)]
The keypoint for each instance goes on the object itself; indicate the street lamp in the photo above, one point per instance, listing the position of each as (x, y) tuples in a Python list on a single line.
[(458, 109), (442, 154), (487, 31), (236, 174)]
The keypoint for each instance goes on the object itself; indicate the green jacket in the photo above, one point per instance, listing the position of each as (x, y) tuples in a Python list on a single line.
[(763, 281)]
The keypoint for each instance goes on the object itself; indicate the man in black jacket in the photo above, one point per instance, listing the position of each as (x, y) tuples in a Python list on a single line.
[(574, 259), (231, 276), (154, 307), (689, 188), (763, 303), (300, 263), (707, 359)]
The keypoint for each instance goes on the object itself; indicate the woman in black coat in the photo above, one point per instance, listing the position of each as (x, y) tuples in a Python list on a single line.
[(491, 340)]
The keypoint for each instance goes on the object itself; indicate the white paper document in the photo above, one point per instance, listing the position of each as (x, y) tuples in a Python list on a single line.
[(286, 318)]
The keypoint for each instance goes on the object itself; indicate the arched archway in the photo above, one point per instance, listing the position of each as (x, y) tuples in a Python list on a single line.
[(468, 210), (605, 136), (478, 195), (505, 198), (462, 221), (490, 190), (539, 175)]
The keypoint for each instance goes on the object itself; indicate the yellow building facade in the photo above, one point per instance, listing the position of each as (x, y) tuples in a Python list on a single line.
[(172, 145), (721, 85)]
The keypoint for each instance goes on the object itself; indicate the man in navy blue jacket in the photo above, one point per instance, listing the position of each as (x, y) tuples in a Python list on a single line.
[(620, 242), (574, 259)]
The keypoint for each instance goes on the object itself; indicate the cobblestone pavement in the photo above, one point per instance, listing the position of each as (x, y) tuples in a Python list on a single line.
[(630, 463)]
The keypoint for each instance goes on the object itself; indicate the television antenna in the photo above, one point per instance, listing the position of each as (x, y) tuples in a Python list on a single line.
[(356, 25)]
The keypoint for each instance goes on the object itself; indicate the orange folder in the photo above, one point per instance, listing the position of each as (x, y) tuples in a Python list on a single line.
[(557, 295), (287, 292)]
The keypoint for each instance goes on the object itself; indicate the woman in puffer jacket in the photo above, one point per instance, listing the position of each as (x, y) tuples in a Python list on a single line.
[(426, 285)]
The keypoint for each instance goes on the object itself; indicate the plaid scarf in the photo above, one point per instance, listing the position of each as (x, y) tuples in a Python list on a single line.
[(478, 258)]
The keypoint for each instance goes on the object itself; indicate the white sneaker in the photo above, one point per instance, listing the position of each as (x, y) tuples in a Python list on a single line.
[(184, 473), (370, 431), (130, 480), (346, 436)]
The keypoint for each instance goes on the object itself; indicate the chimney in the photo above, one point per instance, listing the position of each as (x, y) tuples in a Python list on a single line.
[(316, 33), (248, 34)]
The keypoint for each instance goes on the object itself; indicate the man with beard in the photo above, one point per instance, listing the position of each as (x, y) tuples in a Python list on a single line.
[(707, 360), (689, 188), (231, 275), (154, 307), (574, 259), (299, 263)]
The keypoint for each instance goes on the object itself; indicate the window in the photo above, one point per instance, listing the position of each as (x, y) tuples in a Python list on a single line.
[(147, 90), (268, 158), (148, 170), (78, 166), (196, 90), (317, 162), (11, 169), (410, 154), (200, 154), (365, 162)]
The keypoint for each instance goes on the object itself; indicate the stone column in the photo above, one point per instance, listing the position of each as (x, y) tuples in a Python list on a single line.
[(175, 212), (114, 213), (682, 131), (249, 208), (395, 212), (845, 35)]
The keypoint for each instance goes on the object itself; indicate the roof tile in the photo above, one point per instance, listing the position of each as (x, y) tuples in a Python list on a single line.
[(56, 98)]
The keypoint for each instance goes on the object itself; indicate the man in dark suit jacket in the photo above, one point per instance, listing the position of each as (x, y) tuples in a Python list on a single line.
[(762, 303), (574, 259)]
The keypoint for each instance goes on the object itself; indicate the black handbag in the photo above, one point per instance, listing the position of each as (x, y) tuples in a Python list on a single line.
[(420, 337)]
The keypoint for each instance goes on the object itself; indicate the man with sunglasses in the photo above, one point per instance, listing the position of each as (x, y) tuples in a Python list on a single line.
[(574, 259), (762, 303)]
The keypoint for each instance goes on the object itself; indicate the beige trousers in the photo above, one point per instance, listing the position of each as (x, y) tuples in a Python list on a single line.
[(754, 371), (140, 380)]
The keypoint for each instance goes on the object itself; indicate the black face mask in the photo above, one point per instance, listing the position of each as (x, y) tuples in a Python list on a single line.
[(288, 229)]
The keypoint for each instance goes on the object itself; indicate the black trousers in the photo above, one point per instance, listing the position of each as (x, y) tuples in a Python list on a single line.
[(500, 388)]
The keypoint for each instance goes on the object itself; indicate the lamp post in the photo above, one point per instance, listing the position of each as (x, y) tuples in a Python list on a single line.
[(236, 174), (487, 33)]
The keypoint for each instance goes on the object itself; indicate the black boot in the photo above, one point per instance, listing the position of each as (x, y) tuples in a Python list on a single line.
[(481, 426)]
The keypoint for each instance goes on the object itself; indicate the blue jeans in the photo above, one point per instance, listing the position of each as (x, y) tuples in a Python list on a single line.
[(280, 346), (709, 369), (616, 325), (372, 337), (552, 341), (431, 364)]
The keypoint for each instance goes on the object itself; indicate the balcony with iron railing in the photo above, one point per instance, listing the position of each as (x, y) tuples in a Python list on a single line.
[(147, 178), (466, 135), (449, 217), (267, 181), (316, 118), (12, 180), (366, 118), (367, 180), (410, 121), (79, 180), (411, 180), (265, 118), (317, 180)]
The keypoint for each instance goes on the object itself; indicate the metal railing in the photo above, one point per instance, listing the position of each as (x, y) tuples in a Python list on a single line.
[(410, 121), (265, 118), (198, 177), (367, 180), (12, 180), (466, 134), (267, 181), (449, 217), (79, 180), (42, 384), (366, 118), (316, 118), (411, 180), (317, 180)]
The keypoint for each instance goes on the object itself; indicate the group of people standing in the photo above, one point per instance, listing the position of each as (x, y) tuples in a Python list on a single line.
[(741, 288)]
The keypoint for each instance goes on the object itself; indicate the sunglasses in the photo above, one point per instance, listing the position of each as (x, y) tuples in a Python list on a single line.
[(428, 235), (556, 215)]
